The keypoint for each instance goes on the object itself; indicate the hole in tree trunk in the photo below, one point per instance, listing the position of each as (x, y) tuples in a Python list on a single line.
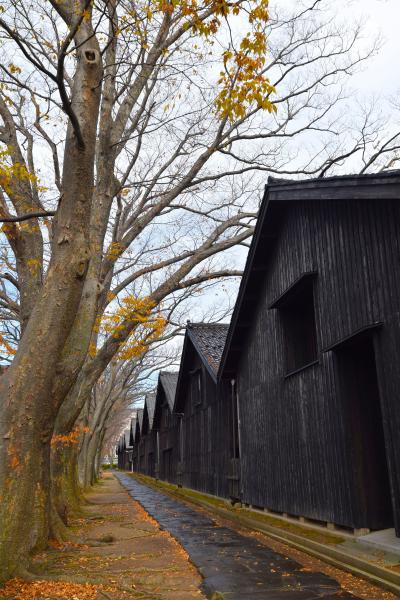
[(90, 55)]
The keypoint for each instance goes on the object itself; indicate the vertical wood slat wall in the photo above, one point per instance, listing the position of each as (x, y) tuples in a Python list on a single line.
[(295, 453), (295, 444)]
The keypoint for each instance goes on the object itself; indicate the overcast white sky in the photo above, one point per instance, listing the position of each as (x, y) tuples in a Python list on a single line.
[(382, 74)]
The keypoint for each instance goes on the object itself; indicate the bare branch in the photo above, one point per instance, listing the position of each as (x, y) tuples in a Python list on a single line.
[(34, 215)]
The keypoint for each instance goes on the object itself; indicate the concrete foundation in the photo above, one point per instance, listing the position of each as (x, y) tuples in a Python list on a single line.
[(385, 540)]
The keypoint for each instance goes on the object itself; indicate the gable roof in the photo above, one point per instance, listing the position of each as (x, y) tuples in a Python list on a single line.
[(133, 430), (209, 341), (137, 432), (127, 435), (165, 395), (139, 417), (169, 380), (206, 340), (150, 405), (278, 195)]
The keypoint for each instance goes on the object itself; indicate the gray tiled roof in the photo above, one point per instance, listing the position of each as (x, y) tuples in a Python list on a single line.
[(150, 402), (209, 339), (168, 381)]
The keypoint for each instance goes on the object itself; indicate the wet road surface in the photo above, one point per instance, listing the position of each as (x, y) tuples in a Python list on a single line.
[(237, 566)]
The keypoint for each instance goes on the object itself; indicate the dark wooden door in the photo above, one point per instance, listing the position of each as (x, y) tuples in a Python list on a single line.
[(167, 464), (151, 464), (372, 506)]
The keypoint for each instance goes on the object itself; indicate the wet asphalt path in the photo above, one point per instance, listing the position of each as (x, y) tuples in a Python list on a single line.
[(238, 567)]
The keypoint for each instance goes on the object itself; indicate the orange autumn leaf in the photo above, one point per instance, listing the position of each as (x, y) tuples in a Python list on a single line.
[(16, 589), (70, 438), (14, 462)]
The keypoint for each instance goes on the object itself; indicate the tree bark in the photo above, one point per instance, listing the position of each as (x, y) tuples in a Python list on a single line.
[(65, 489), (88, 458), (65, 492), (29, 408)]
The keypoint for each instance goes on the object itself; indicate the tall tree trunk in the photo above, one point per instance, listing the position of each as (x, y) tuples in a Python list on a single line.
[(65, 489), (99, 454), (97, 463), (24, 504), (82, 462), (90, 460), (29, 408), (65, 492)]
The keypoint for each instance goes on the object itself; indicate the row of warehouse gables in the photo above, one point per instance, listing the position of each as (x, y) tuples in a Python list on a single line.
[(295, 406)]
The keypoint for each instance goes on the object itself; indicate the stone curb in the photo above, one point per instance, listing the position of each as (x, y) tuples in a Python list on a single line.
[(380, 576)]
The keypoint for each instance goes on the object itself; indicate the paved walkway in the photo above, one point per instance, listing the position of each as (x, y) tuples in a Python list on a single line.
[(118, 553), (237, 566)]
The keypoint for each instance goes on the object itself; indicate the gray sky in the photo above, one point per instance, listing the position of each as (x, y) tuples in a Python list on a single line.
[(382, 74)]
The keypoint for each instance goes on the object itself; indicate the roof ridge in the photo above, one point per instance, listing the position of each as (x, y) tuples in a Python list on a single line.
[(272, 180), (206, 324)]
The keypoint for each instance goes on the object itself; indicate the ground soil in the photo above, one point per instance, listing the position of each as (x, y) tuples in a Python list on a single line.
[(118, 553)]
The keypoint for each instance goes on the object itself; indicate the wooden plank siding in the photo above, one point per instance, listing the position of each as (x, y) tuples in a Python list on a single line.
[(140, 443), (319, 440), (304, 436), (156, 448), (148, 437), (167, 424), (206, 420)]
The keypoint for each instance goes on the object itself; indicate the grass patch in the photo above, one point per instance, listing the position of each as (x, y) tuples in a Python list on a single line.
[(395, 568), (307, 532), (181, 492)]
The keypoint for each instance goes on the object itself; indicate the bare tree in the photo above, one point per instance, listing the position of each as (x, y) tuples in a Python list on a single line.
[(121, 387)]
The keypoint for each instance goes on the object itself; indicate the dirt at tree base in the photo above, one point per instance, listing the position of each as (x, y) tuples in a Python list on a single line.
[(118, 553)]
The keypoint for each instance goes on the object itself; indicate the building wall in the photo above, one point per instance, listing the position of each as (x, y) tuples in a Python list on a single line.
[(295, 438), (150, 454), (169, 444), (120, 461), (134, 458), (141, 455), (206, 436)]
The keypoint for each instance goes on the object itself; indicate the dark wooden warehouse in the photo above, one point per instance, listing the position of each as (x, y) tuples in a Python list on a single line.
[(167, 428), (140, 442), (132, 443), (147, 443), (314, 348), (155, 442), (205, 410), (124, 451), (120, 462)]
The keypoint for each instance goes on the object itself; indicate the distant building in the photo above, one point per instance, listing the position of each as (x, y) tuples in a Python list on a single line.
[(205, 411)]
